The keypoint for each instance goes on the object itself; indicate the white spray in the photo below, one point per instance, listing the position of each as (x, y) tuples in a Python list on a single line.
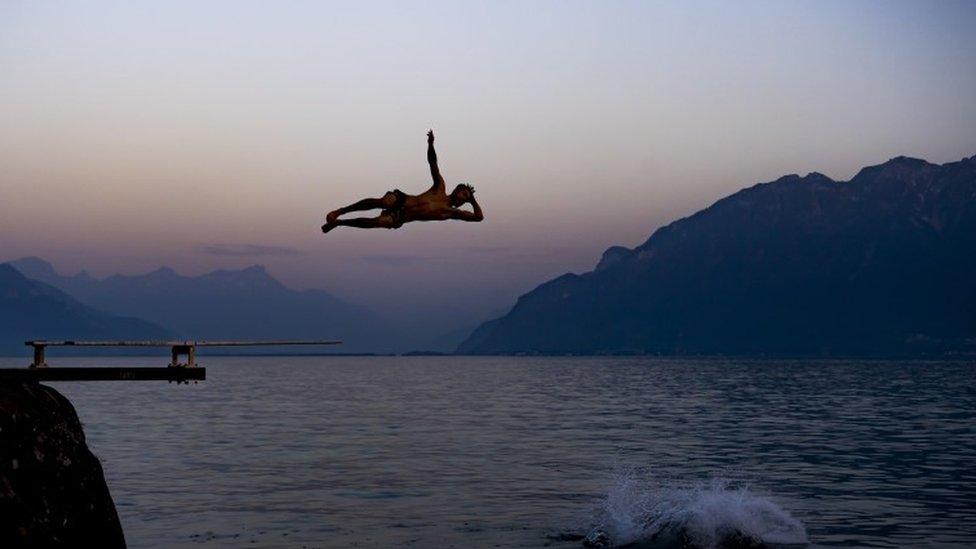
[(704, 514)]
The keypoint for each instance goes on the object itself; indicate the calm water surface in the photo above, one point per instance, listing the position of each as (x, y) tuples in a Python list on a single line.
[(530, 452)]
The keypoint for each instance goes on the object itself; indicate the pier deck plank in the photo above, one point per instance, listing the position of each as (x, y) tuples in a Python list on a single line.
[(165, 373)]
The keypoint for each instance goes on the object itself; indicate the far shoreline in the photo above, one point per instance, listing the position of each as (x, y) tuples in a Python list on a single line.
[(704, 357)]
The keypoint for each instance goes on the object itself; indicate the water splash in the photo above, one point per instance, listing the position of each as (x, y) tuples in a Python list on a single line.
[(713, 514)]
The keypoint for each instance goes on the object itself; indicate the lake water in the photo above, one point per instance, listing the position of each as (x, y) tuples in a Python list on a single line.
[(532, 452)]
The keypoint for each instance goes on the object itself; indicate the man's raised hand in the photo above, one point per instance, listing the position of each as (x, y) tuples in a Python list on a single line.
[(430, 136)]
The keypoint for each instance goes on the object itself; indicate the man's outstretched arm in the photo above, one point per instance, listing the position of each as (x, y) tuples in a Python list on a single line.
[(435, 172), (465, 215)]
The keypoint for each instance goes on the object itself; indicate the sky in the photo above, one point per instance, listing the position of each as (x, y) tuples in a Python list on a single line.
[(205, 135)]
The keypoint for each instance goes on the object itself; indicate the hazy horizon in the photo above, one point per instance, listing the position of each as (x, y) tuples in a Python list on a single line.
[(216, 136)]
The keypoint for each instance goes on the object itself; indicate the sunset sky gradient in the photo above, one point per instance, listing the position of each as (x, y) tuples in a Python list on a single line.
[(204, 135)]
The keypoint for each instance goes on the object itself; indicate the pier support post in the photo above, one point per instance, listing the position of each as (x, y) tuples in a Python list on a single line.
[(38, 357), (191, 355)]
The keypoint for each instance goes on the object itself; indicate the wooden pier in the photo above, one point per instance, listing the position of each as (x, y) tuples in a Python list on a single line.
[(88, 373), (180, 372)]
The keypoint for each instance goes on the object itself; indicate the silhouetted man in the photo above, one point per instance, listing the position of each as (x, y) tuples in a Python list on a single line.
[(398, 208)]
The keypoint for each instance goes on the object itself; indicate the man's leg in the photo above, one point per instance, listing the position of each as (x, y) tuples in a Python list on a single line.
[(382, 221), (388, 200)]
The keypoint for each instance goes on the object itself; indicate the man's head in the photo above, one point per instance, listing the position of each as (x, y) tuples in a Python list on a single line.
[(462, 194)]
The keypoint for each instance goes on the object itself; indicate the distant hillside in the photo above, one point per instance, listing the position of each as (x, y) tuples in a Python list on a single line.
[(884, 264), (34, 310), (244, 304)]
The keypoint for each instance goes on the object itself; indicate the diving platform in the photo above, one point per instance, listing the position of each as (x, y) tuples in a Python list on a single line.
[(179, 371), (97, 373)]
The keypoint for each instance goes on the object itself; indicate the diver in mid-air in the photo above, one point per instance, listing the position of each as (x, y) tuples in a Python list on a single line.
[(398, 207)]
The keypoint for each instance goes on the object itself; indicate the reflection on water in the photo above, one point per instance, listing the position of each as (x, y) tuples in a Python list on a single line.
[(524, 452)]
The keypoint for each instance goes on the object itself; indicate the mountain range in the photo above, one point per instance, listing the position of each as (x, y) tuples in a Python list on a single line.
[(33, 310), (223, 304), (883, 264)]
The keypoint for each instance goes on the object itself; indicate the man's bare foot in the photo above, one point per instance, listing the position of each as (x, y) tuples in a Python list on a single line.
[(332, 217), (328, 227)]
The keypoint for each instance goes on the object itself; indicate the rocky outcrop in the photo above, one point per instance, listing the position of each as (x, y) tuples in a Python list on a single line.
[(52, 490)]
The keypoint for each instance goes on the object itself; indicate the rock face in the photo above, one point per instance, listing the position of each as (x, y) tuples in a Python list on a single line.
[(883, 264), (52, 491)]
